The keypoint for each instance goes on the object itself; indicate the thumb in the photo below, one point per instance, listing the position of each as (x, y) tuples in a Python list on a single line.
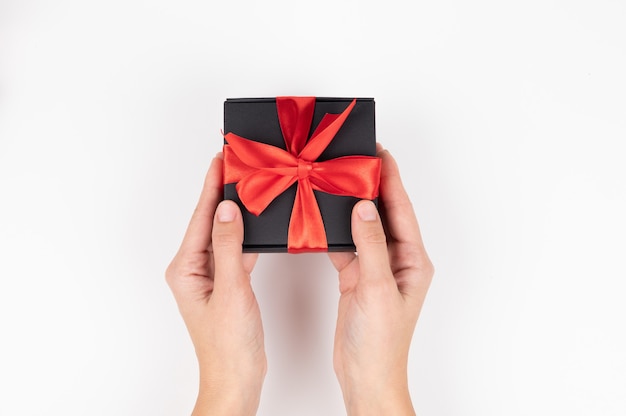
[(227, 243), (370, 240)]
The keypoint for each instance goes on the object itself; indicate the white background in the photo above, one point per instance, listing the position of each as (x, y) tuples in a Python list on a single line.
[(508, 120)]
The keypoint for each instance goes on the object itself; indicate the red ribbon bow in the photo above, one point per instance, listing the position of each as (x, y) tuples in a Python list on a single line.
[(262, 172)]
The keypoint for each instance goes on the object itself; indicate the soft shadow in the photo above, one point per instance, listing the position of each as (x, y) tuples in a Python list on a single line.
[(298, 298)]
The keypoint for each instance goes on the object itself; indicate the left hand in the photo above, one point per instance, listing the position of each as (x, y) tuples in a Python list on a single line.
[(210, 279)]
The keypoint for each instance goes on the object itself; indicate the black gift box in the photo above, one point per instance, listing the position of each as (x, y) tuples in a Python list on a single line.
[(257, 119)]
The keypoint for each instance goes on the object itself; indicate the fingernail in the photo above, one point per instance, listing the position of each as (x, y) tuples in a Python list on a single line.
[(226, 211), (367, 211), (219, 155)]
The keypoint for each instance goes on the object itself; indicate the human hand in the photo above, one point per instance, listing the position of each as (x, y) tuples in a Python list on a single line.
[(382, 290), (210, 279)]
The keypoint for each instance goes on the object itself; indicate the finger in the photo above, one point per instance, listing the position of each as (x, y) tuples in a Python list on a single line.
[(399, 217), (348, 267), (371, 243), (198, 235), (227, 246), (249, 260), (407, 250), (341, 259)]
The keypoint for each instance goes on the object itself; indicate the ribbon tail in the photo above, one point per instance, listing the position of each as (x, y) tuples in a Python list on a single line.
[(306, 226), (318, 143)]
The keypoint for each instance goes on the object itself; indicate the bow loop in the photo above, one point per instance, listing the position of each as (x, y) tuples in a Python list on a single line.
[(347, 176), (256, 155)]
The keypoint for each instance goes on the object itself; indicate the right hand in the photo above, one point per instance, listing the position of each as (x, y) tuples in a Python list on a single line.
[(382, 290)]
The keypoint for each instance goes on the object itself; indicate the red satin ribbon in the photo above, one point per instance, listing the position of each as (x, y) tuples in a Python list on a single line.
[(262, 172)]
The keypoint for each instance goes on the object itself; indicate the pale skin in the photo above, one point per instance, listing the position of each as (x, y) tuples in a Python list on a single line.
[(382, 292)]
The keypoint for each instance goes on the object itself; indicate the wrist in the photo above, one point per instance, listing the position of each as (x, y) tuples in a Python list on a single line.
[(228, 396), (226, 404), (378, 398)]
